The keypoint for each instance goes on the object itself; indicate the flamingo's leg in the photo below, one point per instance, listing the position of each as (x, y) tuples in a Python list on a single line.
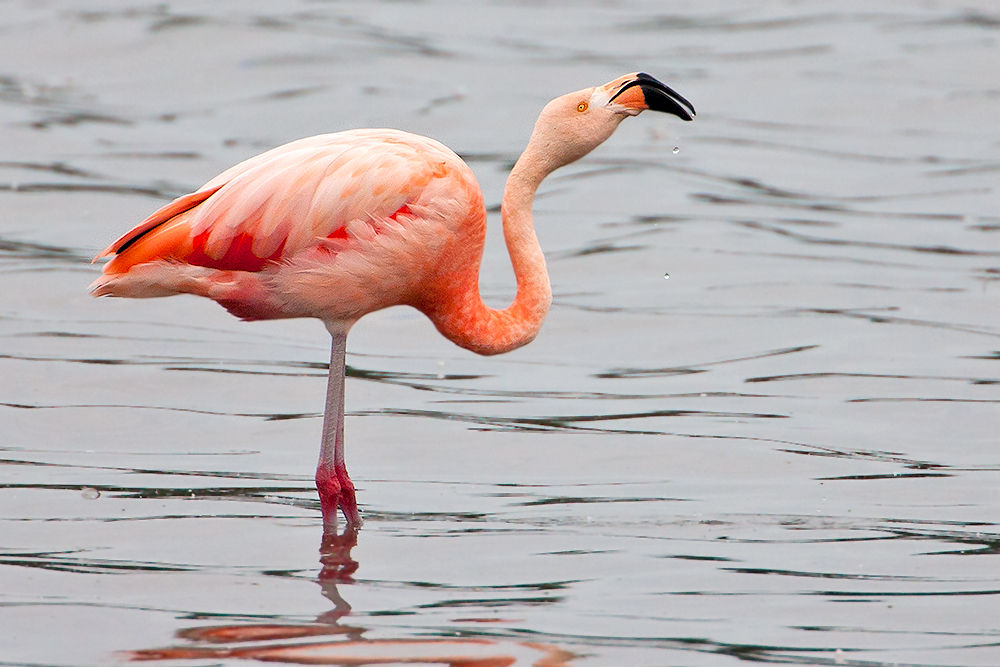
[(334, 486)]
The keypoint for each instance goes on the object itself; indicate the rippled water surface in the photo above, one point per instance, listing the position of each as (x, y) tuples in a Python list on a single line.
[(785, 453)]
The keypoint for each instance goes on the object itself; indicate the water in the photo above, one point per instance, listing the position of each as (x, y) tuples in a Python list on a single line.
[(785, 453)]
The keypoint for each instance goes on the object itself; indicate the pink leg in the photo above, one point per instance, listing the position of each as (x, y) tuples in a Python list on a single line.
[(334, 486)]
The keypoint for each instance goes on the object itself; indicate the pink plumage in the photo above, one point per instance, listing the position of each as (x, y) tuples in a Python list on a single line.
[(333, 226), (340, 225)]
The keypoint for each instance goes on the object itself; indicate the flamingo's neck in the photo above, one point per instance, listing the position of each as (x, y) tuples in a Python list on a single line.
[(468, 321)]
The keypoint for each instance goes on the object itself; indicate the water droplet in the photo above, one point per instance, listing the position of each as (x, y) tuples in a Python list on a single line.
[(440, 373), (677, 149), (90, 494), (666, 276)]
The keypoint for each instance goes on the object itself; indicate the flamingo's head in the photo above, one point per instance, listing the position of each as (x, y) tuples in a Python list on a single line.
[(572, 125)]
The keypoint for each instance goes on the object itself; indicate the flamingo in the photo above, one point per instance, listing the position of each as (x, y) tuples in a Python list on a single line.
[(340, 225)]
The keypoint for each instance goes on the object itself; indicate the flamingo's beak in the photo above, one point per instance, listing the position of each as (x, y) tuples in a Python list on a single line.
[(641, 91)]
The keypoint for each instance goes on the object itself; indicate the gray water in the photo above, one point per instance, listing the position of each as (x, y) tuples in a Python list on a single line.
[(784, 454)]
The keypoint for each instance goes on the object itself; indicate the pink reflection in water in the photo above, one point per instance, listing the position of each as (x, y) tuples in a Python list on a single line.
[(352, 649), (452, 652)]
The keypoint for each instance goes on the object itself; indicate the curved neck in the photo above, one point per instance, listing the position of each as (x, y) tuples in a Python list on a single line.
[(466, 320)]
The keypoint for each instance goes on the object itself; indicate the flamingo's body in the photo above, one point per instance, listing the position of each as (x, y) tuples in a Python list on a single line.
[(340, 225)]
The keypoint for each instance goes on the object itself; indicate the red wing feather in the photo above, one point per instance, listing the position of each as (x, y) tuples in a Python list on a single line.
[(176, 207)]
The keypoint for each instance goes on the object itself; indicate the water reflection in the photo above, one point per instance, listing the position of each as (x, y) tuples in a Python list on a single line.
[(328, 641), (452, 652)]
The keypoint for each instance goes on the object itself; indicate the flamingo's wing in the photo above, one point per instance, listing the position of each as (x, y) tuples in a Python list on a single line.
[(172, 209), (287, 199)]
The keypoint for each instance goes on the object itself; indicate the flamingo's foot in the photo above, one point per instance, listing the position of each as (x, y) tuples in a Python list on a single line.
[(348, 500), (336, 491)]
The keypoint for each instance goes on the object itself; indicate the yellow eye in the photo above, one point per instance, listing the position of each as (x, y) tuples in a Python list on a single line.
[(581, 107)]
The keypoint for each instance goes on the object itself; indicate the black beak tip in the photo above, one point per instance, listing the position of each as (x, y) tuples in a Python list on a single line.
[(660, 97)]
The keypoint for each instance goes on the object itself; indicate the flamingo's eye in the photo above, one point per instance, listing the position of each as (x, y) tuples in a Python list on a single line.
[(581, 107)]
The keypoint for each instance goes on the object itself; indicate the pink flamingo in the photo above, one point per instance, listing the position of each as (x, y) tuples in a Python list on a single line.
[(340, 225)]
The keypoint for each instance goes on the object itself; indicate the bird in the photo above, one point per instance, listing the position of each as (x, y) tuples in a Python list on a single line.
[(339, 225)]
